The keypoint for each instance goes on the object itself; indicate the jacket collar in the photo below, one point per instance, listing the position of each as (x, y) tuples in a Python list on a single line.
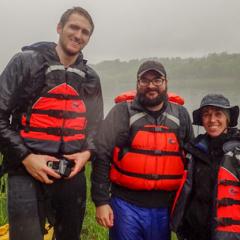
[(48, 50)]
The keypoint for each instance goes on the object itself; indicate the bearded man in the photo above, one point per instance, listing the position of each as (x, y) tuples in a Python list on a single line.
[(139, 165)]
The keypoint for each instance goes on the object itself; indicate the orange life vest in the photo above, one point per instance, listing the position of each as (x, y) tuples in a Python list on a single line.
[(152, 161), (228, 200), (56, 120)]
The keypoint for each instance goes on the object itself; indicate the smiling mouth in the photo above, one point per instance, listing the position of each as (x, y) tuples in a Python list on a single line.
[(77, 43), (151, 93), (213, 127)]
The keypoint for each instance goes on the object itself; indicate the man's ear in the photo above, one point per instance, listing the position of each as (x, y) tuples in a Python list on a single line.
[(59, 28)]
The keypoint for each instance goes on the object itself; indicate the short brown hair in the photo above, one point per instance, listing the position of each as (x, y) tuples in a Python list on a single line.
[(79, 10)]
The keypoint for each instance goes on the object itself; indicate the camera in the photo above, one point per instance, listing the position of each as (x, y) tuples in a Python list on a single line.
[(63, 167)]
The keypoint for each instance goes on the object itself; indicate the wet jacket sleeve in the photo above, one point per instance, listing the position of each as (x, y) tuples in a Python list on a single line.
[(114, 127), (186, 125), (94, 102), (11, 83)]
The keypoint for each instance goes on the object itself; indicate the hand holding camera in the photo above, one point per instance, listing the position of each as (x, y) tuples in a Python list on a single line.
[(35, 164), (79, 159), (63, 167)]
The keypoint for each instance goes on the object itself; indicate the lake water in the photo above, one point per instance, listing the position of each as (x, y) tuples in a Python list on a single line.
[(192, 95)]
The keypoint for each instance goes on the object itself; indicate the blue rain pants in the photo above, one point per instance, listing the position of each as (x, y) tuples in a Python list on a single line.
[(137, 223)]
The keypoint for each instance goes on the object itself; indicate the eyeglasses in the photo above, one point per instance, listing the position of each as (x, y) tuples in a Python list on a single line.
[(155, 81)]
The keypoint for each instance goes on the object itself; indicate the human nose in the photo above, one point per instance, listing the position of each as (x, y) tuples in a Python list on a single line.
[(212, 118), (78, 34)]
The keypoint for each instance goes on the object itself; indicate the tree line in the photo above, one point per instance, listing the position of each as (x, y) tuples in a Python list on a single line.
[(119, 75)]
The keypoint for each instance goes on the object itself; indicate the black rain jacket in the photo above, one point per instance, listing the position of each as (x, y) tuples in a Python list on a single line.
[(20, 81)]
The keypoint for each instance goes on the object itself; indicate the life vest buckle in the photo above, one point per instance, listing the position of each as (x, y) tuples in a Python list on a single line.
[(158, 129), (153, 176), (157, 152)]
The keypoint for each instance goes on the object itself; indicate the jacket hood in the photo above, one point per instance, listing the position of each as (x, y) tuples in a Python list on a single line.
[(40, 46), (46, 48)]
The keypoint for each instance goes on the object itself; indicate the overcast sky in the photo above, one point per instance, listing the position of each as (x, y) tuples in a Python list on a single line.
[(128, 29)]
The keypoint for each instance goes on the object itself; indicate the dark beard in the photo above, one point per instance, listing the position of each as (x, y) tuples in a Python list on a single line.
[(146, 102)]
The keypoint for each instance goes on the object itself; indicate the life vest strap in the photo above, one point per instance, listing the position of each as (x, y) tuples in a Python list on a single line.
[(228, 202), (59, 113), (227, 221), (158, 129), (57, 131), (155, 152), (62, 96), (229, 183), (148, 176)]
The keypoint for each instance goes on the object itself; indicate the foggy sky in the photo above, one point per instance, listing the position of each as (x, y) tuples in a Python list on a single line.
[(127, 29)]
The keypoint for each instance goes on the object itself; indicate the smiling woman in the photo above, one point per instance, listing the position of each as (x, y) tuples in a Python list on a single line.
[(215, 120), (213, 210), (215, 111)]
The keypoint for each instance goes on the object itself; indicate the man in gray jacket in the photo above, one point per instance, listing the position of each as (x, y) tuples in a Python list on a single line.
[(139, 163)]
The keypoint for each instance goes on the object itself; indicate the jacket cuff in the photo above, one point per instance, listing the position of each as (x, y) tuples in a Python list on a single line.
[(98, 204)]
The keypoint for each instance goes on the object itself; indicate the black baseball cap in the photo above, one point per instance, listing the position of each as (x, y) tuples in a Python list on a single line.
[(151, 65)]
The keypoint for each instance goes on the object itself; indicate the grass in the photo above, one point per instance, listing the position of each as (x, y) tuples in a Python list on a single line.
[(91, 230), (3, 198), (3, 201)]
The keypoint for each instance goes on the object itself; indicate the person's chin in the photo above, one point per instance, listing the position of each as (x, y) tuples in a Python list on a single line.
[(214, 134), (73, 51)]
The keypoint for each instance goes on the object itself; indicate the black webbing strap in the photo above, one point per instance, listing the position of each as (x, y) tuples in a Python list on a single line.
[(28, 116), (62, 96), (229, 183), (59, 113), (227, 221), (155, 152), (57, 131), (148, 176), (157, 129), (228, 202)]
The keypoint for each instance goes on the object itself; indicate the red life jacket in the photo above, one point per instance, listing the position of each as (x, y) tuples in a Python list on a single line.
[(130, 95), (153, 159), (228, 199), (56, 120)]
